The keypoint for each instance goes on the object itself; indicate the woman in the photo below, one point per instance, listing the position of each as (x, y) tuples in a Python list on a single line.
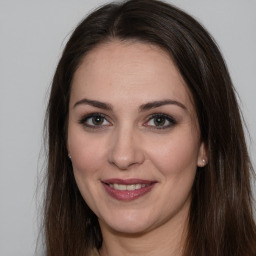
[(147, 154)]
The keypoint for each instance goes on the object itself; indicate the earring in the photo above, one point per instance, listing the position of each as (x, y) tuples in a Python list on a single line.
[(202, 163), (69, 156)]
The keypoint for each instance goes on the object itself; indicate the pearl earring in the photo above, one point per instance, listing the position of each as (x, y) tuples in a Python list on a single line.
[(204, 162), (69, 156)]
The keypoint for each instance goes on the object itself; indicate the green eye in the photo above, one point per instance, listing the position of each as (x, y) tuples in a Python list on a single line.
[(160, 121), (95, 120)]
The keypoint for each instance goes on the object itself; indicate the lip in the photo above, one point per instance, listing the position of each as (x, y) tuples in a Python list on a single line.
[(127, 181), (127, 195)]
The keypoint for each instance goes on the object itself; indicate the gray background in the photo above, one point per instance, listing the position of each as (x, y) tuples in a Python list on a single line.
[(32, 36)]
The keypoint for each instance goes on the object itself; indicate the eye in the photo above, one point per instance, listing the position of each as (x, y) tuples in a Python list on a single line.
[(95, 120), (160, 121)]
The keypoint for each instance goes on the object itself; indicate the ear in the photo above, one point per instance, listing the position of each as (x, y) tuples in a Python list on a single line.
[(68, 152), (202, 159)]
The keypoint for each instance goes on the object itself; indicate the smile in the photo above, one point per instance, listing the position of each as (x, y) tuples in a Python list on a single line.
[(127, 190), (131, 187)]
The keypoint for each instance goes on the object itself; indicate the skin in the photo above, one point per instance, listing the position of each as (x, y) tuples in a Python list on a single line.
[(128, 143)]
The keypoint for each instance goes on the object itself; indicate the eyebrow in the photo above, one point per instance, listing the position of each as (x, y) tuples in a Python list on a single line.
[(94, 103), (142, 108), (155, 104)]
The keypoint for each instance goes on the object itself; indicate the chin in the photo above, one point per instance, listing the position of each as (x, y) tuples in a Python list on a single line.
[(130, 225)]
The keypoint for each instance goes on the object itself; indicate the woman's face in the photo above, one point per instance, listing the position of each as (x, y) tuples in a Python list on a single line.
[(133, 137)]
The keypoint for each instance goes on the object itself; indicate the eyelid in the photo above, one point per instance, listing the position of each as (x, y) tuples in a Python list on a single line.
[(169, 118), (91, 115)]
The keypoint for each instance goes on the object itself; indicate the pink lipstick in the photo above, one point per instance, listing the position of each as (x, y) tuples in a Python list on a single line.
[(129, 189)]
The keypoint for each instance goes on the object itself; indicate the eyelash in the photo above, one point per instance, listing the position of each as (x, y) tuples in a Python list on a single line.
[(84, 120), (166, 118)]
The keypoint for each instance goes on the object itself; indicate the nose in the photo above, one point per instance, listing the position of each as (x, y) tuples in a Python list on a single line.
[(126, 149)]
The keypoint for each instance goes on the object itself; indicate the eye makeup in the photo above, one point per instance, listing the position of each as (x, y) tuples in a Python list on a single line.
[(160, 121), (156, 121), (94, 121)]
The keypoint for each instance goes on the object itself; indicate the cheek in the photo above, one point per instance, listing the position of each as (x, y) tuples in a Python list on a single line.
[(87, 160), (176, 162), (176, 155), (87, 154)]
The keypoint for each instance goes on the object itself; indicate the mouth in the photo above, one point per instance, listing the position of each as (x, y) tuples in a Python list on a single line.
[(131, 187), (127, 190)]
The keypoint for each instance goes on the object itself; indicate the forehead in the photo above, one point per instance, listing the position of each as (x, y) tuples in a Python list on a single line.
[(139, 71)]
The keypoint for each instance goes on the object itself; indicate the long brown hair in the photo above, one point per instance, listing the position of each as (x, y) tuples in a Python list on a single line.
[(221, 220)]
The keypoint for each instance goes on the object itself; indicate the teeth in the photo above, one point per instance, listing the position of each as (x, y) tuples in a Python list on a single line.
[(131, 187), (137, 186), (119, 186)]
